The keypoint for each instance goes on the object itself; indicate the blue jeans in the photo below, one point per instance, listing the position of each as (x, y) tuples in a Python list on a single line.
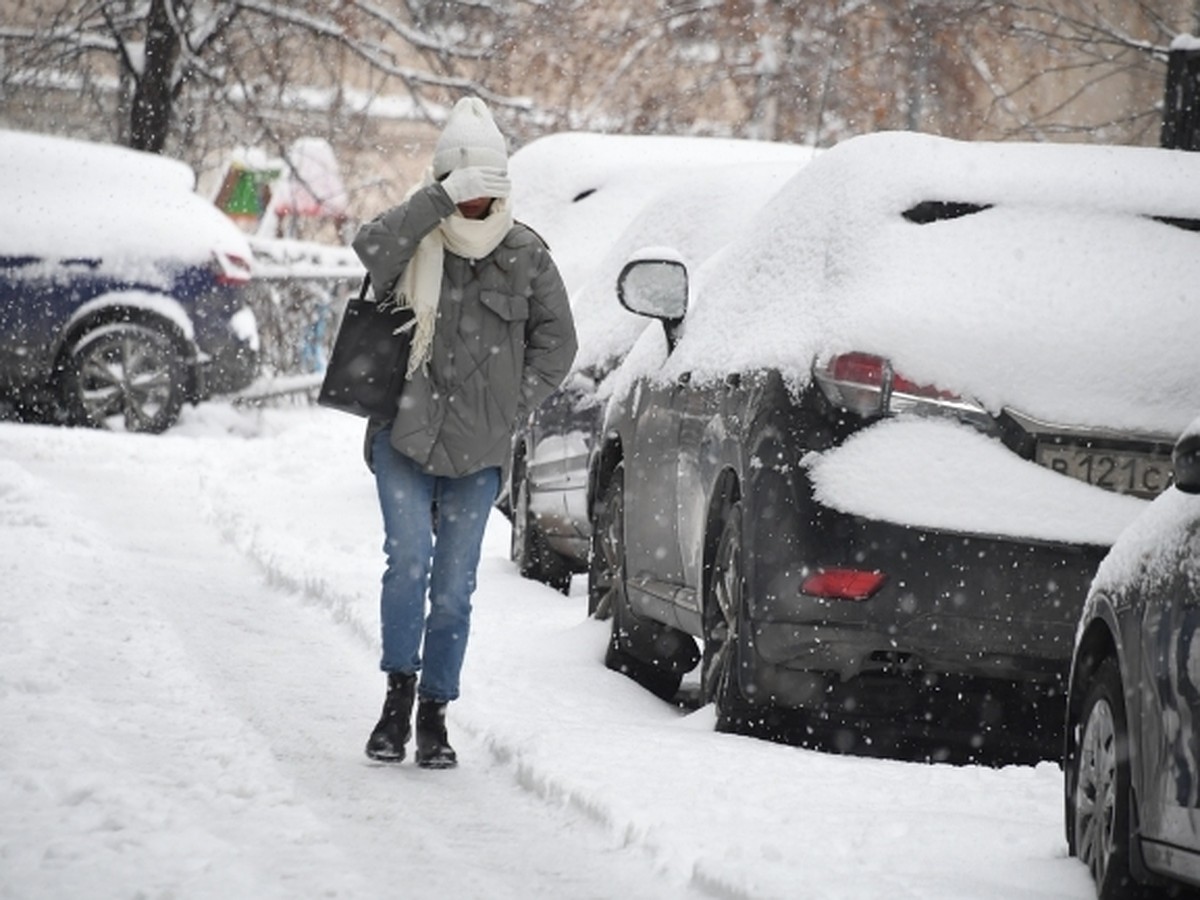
[(415, 506)]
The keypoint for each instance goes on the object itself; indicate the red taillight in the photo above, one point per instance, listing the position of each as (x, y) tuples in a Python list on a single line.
[(231, 268), (843, 584), (867, 384), (857, 382), (858, 368)]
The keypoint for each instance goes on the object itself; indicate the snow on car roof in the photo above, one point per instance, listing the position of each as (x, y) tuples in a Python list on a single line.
[(580, 190), (701, 211), (1062, 296), (69, 198)]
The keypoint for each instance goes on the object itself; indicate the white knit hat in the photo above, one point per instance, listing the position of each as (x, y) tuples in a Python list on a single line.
[(470, 138)]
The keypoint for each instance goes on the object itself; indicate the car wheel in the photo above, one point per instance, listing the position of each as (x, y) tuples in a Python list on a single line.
[(533, 556), (606, 577), (1101, 778), (605, 570), (125, 377), (724, 615)]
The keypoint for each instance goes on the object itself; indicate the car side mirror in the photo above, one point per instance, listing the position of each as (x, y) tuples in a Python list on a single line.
[(657, 288), (1186, 461)]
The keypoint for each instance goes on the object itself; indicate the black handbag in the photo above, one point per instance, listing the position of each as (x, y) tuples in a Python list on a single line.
[(369, 359)]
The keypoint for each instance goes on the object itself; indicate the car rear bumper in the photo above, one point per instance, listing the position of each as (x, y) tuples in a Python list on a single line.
[(224, 368), (951, 605), (228, 355)]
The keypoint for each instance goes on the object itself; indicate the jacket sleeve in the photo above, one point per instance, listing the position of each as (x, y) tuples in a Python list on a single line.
[(550, 341), (387, 243)]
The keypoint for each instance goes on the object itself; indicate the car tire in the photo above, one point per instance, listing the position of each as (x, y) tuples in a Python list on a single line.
[(606, 594), (1099, 772), (607, 557), (125, 377), (724, 619), (534, 557)]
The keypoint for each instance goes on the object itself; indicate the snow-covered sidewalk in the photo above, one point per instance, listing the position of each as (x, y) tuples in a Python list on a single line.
[(188, 672)]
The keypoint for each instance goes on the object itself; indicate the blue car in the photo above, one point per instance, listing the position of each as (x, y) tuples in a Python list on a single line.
[(122, 292)]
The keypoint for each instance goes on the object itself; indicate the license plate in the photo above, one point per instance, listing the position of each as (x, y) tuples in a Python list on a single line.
[(1125, 472)]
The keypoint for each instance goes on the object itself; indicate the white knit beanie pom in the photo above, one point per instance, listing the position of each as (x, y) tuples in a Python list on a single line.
[(470, 138)]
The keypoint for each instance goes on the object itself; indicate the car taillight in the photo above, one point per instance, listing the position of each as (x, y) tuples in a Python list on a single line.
[(231, 268), (856, 381), (866, 384), (843, 584)]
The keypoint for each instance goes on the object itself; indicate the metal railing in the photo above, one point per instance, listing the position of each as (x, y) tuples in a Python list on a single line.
[(298, 294)]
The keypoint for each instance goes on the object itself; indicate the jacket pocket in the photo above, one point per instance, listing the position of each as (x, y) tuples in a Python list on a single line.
[(510, 307)]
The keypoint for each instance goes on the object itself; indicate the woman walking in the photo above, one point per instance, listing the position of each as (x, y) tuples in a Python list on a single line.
[(493, 338)]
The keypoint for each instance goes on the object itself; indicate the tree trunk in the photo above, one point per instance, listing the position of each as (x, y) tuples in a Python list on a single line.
[(1181, 105), (150, 116)]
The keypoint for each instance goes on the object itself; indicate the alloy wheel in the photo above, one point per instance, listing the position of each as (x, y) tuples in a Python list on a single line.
[(721, 612), (127, 377), (519, 550), (1101, 797), (1096, 791), (608, 550)]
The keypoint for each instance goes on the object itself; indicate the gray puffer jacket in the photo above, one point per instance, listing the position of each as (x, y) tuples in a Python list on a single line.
[(504, 339)]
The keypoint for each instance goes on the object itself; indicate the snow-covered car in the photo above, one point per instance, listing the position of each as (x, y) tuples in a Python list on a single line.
[(881, 443), (122, 292), (581, 190), (1133, 709), (595, 198)]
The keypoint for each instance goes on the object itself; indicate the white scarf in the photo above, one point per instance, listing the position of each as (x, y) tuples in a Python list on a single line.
[(421, 283)]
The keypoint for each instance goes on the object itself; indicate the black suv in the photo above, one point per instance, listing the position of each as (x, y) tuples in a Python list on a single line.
[(876, 462)]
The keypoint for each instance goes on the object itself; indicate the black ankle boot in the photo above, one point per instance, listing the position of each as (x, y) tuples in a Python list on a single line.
[(433, 747), (387, 741)]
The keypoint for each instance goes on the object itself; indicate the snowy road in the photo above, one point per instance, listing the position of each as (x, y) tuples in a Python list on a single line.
[(196, 717), (188, 672)]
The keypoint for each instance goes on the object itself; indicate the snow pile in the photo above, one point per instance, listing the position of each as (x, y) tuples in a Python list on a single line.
[(943, 475)]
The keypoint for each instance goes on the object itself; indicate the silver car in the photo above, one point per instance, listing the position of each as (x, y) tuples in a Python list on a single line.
[(1133, 710)]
